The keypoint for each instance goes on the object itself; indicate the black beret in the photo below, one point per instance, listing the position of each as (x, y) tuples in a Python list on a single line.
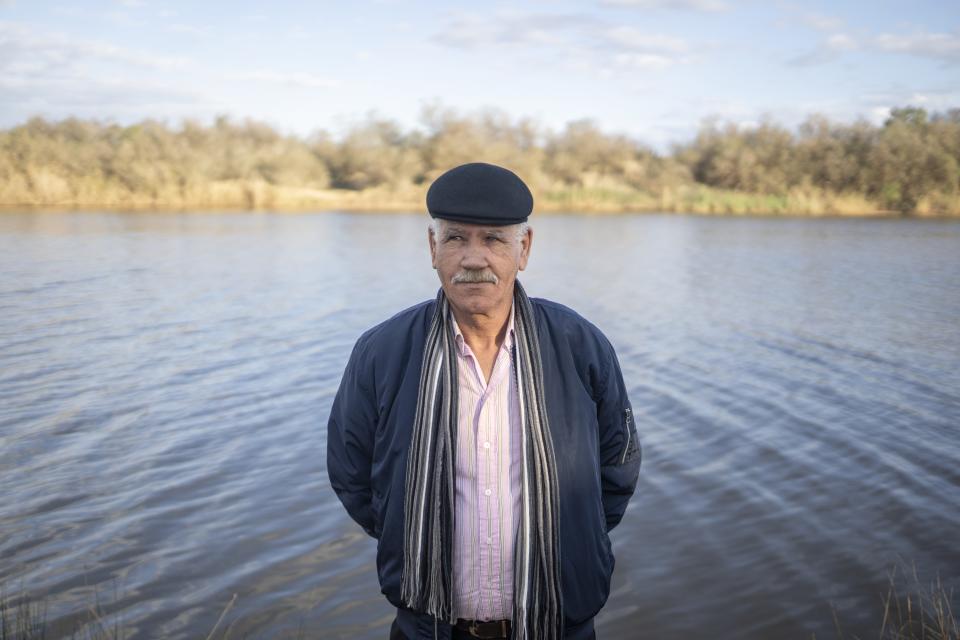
[(480, 193)]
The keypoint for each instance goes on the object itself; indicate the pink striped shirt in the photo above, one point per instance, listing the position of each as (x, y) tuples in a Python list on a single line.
[(488, 484)]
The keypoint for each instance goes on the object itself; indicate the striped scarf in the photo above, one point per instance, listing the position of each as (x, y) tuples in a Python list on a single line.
[(430, 494)]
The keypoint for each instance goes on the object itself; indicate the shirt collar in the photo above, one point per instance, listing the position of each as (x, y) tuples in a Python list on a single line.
[(464, 349)]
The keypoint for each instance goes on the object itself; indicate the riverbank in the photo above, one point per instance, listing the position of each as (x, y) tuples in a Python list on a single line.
[(255, 195), (912, 610)]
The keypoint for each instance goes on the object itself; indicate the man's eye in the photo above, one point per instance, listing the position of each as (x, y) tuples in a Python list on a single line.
[(455, 237)]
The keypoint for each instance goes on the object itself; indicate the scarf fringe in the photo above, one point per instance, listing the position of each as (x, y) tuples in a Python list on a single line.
[(427, 583)]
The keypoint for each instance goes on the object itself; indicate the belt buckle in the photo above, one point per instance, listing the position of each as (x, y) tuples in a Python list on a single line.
[(474, 629)]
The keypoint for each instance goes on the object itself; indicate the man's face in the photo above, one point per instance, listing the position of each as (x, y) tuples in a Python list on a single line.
[(478, 264)]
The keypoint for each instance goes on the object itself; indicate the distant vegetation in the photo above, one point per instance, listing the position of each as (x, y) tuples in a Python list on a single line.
[(909, 165)]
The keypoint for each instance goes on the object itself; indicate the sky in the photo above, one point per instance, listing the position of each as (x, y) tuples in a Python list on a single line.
[(652, 69)]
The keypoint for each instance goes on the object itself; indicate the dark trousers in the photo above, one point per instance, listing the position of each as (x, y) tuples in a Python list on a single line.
[(397, 634)]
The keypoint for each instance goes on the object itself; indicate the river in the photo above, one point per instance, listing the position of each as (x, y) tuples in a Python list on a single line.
[(165, 381)]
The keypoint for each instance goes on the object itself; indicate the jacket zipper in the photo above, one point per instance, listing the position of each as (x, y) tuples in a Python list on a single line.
[(626, 423)]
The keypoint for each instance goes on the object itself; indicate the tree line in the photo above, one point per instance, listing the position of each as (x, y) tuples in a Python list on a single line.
[(910, 164)]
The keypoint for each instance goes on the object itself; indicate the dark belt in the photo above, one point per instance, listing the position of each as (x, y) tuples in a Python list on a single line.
[(491, 630)]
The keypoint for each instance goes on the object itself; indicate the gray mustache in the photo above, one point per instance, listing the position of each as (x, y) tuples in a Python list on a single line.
[(475, 275)]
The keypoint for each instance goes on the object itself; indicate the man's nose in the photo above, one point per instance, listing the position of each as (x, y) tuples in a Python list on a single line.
[(474, 257)]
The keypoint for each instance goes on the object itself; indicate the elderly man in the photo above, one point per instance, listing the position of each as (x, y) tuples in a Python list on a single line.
[(485, 438)]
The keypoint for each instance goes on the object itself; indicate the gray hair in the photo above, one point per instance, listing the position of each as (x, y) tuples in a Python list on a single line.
[(435, 227)]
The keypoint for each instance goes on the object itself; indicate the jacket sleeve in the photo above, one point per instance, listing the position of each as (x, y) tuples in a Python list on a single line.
[(619, 445), (350, 437)]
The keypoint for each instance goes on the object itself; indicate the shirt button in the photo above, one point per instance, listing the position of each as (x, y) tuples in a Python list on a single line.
[(486, 445), (487, 492), (489, 540)]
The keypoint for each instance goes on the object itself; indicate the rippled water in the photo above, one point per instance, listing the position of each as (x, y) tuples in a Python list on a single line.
[(165, 381)]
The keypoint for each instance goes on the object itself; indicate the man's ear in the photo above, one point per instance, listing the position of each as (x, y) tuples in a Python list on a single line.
[(433, 246), (525, 243)]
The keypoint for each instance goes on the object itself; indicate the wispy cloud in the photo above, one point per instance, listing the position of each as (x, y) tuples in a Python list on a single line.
[(817, 21), (472, 31), (586, 43), (90, 94), (643, 61), (74, 91), (21, 47), (829, 49), (59, 76), (632, 48), (877, 105), (635, 39), (188, 29), (295, 79), (63, 10), (124, 19), (709, 6), (936, 46), (874, 106)]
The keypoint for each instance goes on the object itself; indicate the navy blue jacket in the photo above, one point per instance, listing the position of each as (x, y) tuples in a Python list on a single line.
[(591, 423)]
